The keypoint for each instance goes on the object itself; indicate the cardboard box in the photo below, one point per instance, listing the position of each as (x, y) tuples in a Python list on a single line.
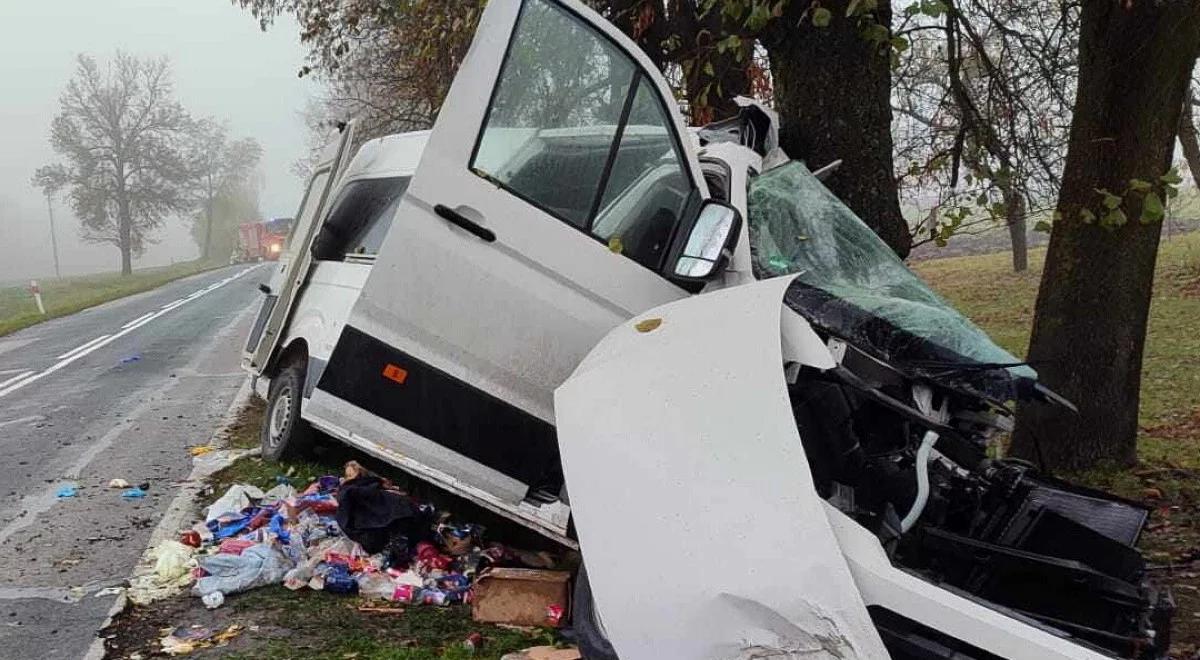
[(521, 596)]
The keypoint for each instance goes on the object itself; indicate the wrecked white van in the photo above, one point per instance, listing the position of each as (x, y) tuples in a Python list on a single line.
[(834, 490), (807, 460)]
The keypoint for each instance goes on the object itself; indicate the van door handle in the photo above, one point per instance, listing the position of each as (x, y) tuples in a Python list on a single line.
[(456, 218)]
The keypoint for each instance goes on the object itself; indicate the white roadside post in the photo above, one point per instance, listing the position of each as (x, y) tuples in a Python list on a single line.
[(37, 296)]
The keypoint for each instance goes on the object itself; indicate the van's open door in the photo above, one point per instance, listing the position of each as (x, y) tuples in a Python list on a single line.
[(294, 264), (539, 218)]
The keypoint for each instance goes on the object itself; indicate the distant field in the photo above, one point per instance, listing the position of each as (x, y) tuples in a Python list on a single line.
[(984, 288), (72, 294)]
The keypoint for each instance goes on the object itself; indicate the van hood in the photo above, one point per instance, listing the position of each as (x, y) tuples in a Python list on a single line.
[(678, 425)]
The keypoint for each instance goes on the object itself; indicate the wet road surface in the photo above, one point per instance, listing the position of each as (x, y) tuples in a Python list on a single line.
[(117, 391)]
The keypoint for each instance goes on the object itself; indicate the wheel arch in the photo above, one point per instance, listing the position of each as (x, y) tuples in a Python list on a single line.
[(295, 351)]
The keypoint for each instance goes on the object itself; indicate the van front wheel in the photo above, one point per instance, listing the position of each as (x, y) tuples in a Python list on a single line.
[(285, 435)]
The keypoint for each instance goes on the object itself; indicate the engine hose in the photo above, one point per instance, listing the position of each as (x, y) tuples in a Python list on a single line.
[(922, 467)]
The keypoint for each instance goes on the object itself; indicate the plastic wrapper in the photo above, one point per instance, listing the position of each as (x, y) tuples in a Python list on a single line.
[(257, 566), (850, 284)]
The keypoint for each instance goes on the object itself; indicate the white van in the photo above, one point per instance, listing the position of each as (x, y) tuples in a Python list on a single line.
[(778, 436)]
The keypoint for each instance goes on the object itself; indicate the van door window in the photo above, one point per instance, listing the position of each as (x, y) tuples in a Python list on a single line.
[(647, 189), (554, 113), (359, 218), (575, 128)]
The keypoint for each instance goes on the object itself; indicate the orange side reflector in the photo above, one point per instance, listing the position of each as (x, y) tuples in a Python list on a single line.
[(392, 372)]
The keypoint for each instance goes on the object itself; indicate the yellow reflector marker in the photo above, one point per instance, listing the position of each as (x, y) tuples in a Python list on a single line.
[(648, 325)]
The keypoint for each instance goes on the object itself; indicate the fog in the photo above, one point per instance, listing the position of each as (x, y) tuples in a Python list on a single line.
[(223, 66)]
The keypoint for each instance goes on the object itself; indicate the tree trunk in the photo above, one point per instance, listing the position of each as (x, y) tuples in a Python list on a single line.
[(1089, 326), (1187, 137), (1014, 211), (208, 222), (124, 223), (710, 97), (125, 237), (832, 90)]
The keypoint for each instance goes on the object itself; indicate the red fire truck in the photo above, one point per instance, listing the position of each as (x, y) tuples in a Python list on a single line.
[(259, 241)]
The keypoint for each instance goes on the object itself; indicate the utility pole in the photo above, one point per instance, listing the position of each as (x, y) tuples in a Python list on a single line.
[(53, 237)]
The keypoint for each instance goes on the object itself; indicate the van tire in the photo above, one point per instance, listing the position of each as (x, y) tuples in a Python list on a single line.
[(590, 636), (285, 436)]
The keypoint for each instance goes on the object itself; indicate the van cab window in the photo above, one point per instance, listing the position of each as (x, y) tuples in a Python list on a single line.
[(577, 129), (359, 218)]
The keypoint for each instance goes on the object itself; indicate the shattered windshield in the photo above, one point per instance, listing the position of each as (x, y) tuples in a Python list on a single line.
[(851, 284)]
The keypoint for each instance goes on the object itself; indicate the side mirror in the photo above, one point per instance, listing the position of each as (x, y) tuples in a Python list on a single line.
[(709, 242)]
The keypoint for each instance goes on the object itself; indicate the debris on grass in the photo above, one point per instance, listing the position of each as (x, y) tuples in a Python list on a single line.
[(357, 534), (186, 639)]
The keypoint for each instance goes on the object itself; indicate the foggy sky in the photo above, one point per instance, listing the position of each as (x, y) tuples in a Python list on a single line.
[(222, 65)]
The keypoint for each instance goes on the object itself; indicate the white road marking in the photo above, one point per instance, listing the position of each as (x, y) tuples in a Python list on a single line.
[(15, 384), (139, 319), (16, 378), (20, 420), (75, 350)]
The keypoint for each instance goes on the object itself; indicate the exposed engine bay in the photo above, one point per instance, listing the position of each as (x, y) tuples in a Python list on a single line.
[(911, 460)]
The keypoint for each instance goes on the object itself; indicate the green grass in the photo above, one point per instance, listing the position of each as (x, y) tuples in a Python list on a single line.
[(255, 471), (1001, 302), (325, 626), (72, 294)]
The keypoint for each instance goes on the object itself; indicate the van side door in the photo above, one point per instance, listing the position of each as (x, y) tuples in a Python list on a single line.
[(553, 182), (294, 264)]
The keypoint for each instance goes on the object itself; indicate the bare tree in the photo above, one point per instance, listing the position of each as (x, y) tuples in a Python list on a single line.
[(121, 134), (219, 166), (387, 64), (983, 101)]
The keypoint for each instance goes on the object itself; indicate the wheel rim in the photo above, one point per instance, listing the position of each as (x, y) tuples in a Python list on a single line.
[(281, 415)]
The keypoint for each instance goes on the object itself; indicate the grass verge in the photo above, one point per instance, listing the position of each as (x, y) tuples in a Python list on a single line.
[(279, 624), (72, 294)]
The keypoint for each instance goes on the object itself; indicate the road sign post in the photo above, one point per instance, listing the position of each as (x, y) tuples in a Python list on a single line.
[(37, 296)]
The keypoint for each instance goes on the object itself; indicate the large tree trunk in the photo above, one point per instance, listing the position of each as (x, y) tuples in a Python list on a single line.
[(710, 96), (1089, 327), (832, 90)]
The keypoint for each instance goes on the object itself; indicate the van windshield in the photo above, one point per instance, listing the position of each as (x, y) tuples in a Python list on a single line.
[(852, 285)]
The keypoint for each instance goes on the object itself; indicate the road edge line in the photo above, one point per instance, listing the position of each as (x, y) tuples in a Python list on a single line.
[(179, 508)]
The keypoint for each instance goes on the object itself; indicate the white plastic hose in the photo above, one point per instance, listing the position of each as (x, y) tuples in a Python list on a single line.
[(922, 467)]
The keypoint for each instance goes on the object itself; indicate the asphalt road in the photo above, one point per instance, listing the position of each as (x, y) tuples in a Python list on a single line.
[(119, 390)]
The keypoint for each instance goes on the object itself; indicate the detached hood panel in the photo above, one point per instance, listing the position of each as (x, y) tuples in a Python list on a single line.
[(702, 532)]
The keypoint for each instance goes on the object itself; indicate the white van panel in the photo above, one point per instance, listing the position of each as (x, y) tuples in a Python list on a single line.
[(324, 305)]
